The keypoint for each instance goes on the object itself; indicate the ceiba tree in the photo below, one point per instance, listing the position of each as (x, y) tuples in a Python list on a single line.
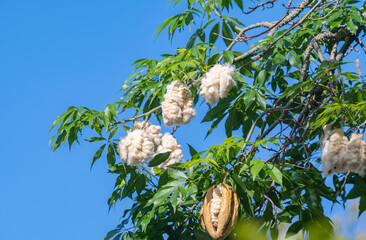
[(293, 76)]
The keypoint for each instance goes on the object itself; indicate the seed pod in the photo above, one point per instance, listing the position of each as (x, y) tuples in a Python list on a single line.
[(219, 221)]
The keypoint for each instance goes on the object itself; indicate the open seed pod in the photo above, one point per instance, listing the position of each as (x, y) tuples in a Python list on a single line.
[(219, 211)]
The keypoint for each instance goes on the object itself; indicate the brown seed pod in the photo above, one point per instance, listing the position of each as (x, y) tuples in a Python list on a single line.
[(219, 211)]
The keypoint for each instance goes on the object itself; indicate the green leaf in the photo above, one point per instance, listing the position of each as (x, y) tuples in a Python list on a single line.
[(105, 119), (192, 151), (238, 77), (256, 168), (249, 98), (140, 183), (239, 3), (95, 139), (217, 111), (162, 26), (335, 15), (356, 16), (226, 32), (201, 235), (261, 78), (362, 205), (294, 229), (174, 200), (295, 60), (177, 174), (239, 182), (129, 105), (261, 99), (58, 120), (195, 51), (214, 33), (229, 56), (351, 26), (275, 173), (111, 156), (112, 133), (158, 159), (161, 196), (97, 154), (72, 136), (201, 34), (111, 110), (110, 234)]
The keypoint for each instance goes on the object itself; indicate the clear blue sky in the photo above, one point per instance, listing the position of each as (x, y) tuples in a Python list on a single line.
[(54, 54)]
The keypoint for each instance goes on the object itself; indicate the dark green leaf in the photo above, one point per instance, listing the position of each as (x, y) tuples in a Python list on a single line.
[(158, 159), (294, 229), (261, 99), (201, 35), (201, 235), (226, 32), (240, 4), (111, 156), (192, 151), (97, 154), (110, 234), (140, 183), (362, 205), (214, 33)]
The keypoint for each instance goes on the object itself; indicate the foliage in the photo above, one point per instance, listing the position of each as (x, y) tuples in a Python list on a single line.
[(289, 83)]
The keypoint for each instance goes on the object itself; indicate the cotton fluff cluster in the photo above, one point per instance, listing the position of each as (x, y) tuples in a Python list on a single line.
[(177, 106), (150, 129), (136, 148), (340, 155), (356, 154), (170, 144), (216, 204), (217, 83), (334, 150)]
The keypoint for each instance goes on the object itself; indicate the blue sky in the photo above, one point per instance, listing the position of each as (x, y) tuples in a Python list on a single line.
[(54, 54)]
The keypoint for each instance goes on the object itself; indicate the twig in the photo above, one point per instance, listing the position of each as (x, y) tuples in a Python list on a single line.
[(335, 7), (274, 208), (147, 114), (261, 5)]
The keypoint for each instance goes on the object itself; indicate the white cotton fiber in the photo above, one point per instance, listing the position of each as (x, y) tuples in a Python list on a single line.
[(356, 154), (216, 204), (334, 151), (177, 107), (217, 83), (170, 144), (152, 130), (136, 148)]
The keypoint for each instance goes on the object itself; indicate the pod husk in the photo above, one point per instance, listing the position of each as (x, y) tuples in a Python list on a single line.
[(227, 216)]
